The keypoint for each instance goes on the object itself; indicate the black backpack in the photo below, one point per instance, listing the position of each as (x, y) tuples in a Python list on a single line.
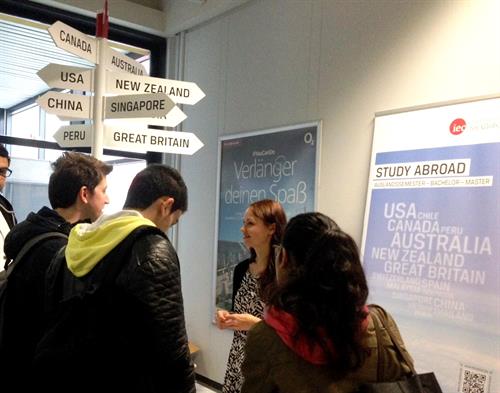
[(9, 268), (78, 319)]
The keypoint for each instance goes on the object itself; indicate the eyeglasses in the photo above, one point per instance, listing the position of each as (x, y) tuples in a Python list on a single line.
[(5, 172), (277, 248)]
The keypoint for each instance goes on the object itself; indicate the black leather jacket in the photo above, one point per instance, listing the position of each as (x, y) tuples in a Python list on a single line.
[(120, 327)]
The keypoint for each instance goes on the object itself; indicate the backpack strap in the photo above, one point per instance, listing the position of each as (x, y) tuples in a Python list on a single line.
[(378, 321), (378, 334), (28, 246)]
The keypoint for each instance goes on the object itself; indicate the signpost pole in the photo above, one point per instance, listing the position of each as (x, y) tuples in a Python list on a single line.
[(99, 91), (100, 83), (143, 99)]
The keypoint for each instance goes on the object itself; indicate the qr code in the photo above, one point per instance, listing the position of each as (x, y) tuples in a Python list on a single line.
[(474, 380)]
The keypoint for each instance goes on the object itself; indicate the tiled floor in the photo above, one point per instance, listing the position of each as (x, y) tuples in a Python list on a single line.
[(203, 389)]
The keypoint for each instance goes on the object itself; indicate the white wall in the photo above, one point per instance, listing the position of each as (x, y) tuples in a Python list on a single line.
[(276, 62)]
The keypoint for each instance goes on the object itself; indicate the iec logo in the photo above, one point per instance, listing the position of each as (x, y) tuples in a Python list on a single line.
[(457, 126)]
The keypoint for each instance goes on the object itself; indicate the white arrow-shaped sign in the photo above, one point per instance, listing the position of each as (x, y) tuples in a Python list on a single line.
[(67, 77), (126, 138), (171, 119), (74, 41), (140, 105), (72, 106), (151, 140), (118, 61), (79, 135), (180, 92)]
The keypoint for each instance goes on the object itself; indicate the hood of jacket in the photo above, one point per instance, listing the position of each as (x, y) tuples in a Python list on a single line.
[(286, 327), (90, 243), (45, 220)]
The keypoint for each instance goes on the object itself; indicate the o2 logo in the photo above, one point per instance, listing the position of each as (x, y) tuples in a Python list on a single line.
[(457, 126)]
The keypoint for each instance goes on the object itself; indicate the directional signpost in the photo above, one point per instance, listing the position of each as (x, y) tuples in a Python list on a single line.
[(126, 138), (79, 135), (67, 77), (180, 92), (118, 121), (171, 119), (152, 140), (139, 105), (117, 61), (73, 41), (68, 105)]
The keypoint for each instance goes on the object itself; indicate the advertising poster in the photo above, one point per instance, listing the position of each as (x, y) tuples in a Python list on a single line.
[(279, 164), (431, 237)]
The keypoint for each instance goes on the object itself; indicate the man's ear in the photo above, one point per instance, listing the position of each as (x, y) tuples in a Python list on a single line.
[(83, 194), (167, 204)]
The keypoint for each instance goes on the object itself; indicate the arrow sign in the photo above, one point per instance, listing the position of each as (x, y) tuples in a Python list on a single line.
[(180, 92), (171, 119), (74, 135), (72, 106), (74, 41), (66, 77), (118, 61), (151, 140), (140, 105)]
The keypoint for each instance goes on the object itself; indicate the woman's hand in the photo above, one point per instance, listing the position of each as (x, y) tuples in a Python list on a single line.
[(220, 318), (226, 320)]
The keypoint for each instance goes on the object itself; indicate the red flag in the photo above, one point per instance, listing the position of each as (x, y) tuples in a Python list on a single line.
[(102, 22)]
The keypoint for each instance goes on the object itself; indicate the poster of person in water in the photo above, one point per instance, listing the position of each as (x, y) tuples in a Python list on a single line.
[(431, 237), (279, 164)]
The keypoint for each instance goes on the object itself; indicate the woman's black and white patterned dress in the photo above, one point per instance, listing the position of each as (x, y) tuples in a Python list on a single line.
[(246, 301)]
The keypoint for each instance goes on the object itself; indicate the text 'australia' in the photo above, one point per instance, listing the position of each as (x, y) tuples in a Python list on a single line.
[(126, 66)]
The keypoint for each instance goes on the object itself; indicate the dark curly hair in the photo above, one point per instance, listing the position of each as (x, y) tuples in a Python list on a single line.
[(325, 288)]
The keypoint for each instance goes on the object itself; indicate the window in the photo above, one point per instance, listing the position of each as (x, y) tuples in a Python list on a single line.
[(28, 48), (25, 123)]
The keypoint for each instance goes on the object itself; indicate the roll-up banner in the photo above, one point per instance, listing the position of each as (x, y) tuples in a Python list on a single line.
[(431, 237)]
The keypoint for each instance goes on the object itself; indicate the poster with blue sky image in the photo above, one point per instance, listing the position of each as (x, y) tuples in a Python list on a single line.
[(279, 164), (431, 237)]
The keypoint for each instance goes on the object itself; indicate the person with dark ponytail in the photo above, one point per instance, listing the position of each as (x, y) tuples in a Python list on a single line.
[(263, 225), (317, 334)]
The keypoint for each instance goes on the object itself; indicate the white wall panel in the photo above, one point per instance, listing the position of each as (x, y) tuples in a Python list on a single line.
[(276, 62), (203, 65)]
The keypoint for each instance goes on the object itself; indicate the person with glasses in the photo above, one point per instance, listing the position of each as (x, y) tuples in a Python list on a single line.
[(317, 334), (8, 217), (263, 225)]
